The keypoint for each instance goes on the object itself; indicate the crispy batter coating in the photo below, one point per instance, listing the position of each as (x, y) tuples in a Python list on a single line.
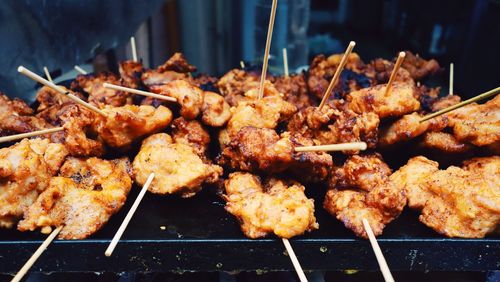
[(177, 63), (381, 70), (263, 150), (418, 67), (399, 101), (445, 102), (82, 198), (272, 207), (295, 90), (152, 78), (16, 117), (444, 142), (124, 125), (335, 124), (177, 167), (234, 84), (92, 84), (53, 104), (189, 97), (215, 111), (409, 127), (192, 133), (25, 172), (130, 72), (382, 204)]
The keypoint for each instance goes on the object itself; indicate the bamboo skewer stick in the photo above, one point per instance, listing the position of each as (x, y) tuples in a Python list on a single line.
[(336, 76), (47, 74), (355, 146), (138, 92), (295, 261), (134, 50), (384, 268), (461, 104), (45, 82), (242, 64), (285, 62), (30, 134), (268, 46), (80, 70), (397, 65), (36, 255), (450, 91), (128, 217)]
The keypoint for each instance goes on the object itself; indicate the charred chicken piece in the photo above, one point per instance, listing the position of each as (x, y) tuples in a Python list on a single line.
[(270, 207), (82, 198), (16, 117), (131, 72), (98, 95), (25, 172), (177, 167)]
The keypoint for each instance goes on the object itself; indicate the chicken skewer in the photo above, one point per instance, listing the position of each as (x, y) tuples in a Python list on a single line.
[(450, 91), (80, 70), (139, 92), (47, 74), (384, 268), (354, 146), (134, 50), (30, 134), (268, 47), (397, 65)]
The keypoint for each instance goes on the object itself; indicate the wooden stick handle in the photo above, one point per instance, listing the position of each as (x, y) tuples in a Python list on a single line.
[(29, 134), (336, 76), (397, 65), (268, 46), (355, 146), (461, 104), (134, 50), (295, 261), (80, 70), (450, 92), (36, 255), (129, 215), (242, 64), (47, 74), (384, 268), (285, 62), (138, 92)]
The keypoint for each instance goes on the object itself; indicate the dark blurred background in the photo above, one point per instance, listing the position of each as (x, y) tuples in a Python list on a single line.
[(216, 34)]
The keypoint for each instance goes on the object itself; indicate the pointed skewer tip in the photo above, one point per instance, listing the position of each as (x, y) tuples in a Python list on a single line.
[(20, 69), (402, 54)]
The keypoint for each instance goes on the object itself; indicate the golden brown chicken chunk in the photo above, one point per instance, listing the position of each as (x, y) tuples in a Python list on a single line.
[(418, 67), (444, 142), (272, 207), (16, 117), (124, 125), (82, 198), (382, 204), (234, 84), (25, 172), (192, 133), (177, 63), (177, 167), (130, 72), (53, 104), (335, 124), (215, 111), (263, 150), (175, 68), (381, 70), (294, 89), (92, 84), (399, 101), (189, 97)]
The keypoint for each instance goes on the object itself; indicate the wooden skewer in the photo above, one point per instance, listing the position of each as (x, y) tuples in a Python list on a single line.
[(134, 50), (80, 70), (285, 62), (450, 92), (47, 74), (355, 146), (268, 45), (295, 261), (336, 76), (129, 215), (45, 82), (30, 134), (461, 104), (138, 92), (36, 255), (397, 65), (242, 64), (384, 268)]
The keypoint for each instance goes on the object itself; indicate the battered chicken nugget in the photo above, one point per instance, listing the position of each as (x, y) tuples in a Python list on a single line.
[(192, 133), (189, 97), (82, 198), (272, 207), (130, 72), (215, 110), (177, 167), (100, 96)]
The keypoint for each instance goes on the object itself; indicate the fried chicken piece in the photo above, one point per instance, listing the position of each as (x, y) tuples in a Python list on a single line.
[(177, 167), (444, 142), (152, 78), (131, 72), (192, 133), (478, 124), (272, 207), (177, 63), (206, 82), (263, 150), (382, 204), (418, 67), (82, 198), (189, 97), (399, 101), (123, 125), (335, 124), (53, 104), (16, 117), (215, 111), (92, 84), (235, 84), (445, 102), (25, 172), (409, 127), (381, 70), (295, 90)]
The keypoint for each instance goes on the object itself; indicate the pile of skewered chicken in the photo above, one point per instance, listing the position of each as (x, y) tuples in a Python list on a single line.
[(68, 179)]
